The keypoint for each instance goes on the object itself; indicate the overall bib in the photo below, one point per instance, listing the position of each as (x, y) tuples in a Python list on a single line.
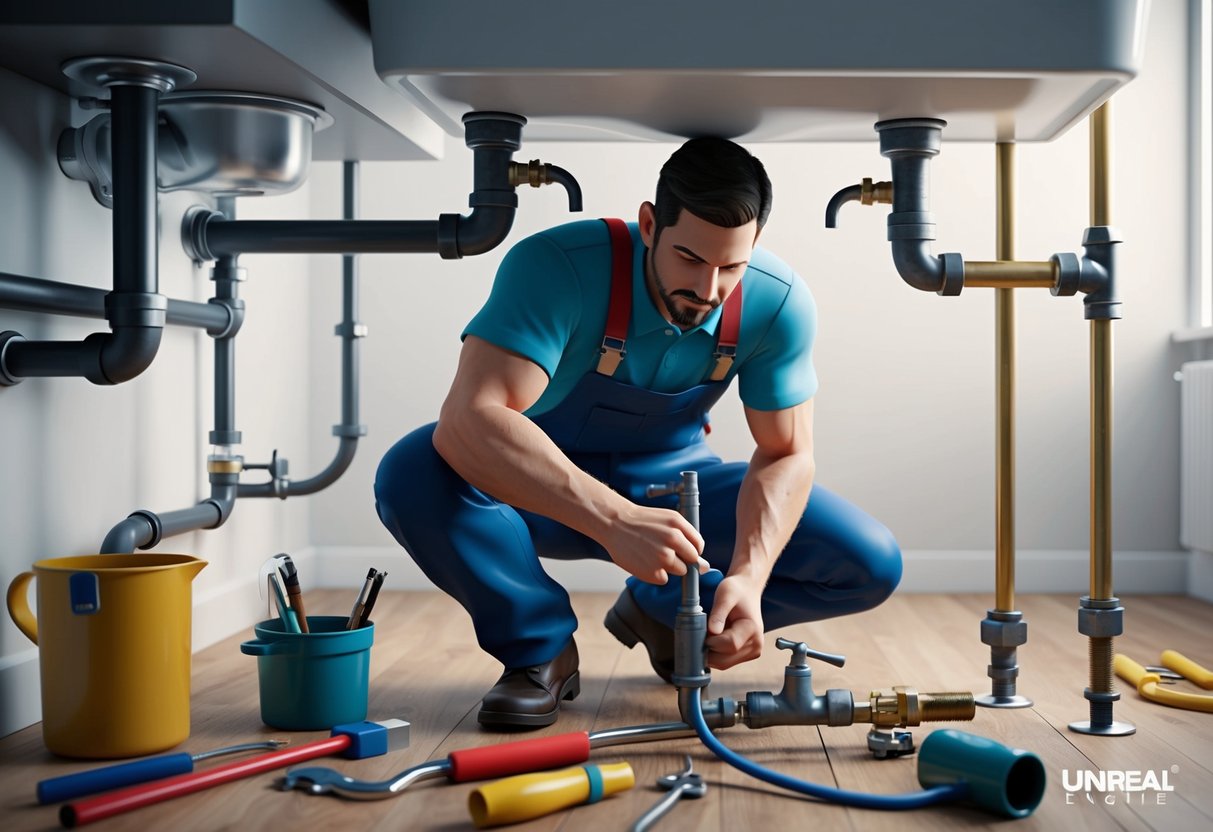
[(485, 553)]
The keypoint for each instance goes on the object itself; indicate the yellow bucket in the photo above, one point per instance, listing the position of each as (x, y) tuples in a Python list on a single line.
[(113, 633)]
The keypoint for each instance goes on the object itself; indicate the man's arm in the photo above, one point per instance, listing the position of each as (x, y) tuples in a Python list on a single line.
[(483, 435), (771, 502)]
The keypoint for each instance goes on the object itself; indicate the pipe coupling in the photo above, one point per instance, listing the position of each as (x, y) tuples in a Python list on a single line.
[(7, 337), (906, 707), (193, 232), (136, 309), (872, 192)]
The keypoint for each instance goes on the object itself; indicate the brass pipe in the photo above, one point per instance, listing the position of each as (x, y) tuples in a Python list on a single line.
[(1101, 165), (1004, 358), (1101, 459), (1010, 274)]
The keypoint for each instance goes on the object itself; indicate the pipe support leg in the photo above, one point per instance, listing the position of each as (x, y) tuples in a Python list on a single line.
[(1004, 631)]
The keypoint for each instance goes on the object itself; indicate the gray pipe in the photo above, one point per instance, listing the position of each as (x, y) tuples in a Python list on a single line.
[(33, 294), (909, 143), (135, 309), (493, 137), (351, 331)]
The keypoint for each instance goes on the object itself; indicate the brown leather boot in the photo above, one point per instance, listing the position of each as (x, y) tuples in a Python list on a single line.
[(530, 697), (627, 622)]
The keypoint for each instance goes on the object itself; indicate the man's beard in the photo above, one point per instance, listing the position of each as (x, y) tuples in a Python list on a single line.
[(684, 318)]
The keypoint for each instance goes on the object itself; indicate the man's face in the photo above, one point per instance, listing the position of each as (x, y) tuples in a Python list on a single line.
[(693, 265)]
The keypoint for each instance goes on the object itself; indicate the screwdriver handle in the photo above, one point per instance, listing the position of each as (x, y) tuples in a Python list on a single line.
[(519, 757), (59, 789)]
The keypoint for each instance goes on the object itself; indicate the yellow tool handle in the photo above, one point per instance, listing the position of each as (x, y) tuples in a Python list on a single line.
[(1187, 668), (1132, 672), (527, 796)]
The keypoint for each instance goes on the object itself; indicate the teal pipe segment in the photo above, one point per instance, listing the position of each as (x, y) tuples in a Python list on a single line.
[(1002, 780)]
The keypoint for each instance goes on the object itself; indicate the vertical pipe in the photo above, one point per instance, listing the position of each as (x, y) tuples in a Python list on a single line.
[(1101, 373), (1101, 459), (349, 294), (133, 137), (1004, 358)]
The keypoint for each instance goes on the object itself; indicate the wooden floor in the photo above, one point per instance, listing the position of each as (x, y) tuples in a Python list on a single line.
[(426, 669)]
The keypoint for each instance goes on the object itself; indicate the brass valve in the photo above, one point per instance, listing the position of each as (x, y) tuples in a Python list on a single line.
[(533, 173), (875, 192), (906, 707)]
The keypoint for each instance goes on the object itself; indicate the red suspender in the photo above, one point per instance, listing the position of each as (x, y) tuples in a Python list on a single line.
[(726, 336), (620, 311)]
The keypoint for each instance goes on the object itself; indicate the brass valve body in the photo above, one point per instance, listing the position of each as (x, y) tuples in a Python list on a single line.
[(906, 707)]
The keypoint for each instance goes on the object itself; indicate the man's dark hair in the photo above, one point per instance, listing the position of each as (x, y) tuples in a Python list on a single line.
[(716, 180)]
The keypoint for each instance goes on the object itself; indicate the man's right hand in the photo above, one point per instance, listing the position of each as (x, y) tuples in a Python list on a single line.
[(653, 543)]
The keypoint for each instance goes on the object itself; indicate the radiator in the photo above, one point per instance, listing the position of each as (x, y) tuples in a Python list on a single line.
[(1196, 456)]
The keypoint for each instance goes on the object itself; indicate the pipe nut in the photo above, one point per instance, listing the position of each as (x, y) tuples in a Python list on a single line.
[(1004, 633), (1069, 274), (1101, 623), (953, 274)]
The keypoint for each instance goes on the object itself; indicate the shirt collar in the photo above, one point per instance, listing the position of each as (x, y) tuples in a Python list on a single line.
[(645, 317)]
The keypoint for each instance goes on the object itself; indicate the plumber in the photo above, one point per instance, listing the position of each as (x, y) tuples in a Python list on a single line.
[(587, 376)]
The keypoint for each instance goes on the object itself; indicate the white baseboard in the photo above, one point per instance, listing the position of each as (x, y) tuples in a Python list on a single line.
[(925, 571), (1200, 575), (20, 691), (1066, 571)]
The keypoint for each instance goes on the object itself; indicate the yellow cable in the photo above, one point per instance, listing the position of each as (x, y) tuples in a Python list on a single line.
[(1149, 686)]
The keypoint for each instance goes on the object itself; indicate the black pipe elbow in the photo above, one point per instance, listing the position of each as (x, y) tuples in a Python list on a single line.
[(917, 266), (126, 352), (562, 177), (481, 230), (138, 531), (851, 194)]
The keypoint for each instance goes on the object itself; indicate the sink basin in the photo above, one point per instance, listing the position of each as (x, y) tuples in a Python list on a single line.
[(762, 71)]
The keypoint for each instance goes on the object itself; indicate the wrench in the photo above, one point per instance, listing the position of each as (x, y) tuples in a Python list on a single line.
[(681, 784)]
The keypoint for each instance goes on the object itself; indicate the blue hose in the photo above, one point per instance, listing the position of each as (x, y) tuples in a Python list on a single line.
[(861, 800)]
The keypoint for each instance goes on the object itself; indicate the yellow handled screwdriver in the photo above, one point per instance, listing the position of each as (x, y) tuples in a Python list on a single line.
[(527, 796)]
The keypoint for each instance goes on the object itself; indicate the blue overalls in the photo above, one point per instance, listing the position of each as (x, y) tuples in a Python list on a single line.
[(485, 553)]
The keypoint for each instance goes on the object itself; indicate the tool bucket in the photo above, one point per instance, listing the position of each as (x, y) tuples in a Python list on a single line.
[(113, 636), (315, 680)]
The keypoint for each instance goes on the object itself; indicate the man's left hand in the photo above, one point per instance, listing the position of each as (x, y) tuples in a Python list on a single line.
[(735, 624)]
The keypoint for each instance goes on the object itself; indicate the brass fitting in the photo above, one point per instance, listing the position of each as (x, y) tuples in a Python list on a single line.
[(533, 173), (906, 707), (871, 192)]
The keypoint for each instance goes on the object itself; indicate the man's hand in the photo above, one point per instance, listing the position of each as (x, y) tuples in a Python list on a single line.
[(735, 624), (653, 543)]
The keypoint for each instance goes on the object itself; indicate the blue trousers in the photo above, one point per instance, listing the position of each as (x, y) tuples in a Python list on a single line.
[(485, 553)]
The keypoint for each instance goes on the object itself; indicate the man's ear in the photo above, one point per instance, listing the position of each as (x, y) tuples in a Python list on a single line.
[(647, 220)]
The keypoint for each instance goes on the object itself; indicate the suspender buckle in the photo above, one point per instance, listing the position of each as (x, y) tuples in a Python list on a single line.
[(724, 362), (611, 355)]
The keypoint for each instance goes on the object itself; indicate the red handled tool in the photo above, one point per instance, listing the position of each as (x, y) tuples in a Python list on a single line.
[(354, 741)]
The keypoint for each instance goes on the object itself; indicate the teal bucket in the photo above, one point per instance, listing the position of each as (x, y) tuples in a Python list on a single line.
[(312, 681)]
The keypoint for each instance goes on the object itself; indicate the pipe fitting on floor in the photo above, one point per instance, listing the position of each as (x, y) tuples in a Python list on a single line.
[(909, 144)]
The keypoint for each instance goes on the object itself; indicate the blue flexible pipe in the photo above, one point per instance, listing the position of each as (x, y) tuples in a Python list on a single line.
[(861, 800)]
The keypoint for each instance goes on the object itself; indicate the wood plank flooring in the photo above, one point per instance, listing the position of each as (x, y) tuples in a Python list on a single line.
[(426, 669)]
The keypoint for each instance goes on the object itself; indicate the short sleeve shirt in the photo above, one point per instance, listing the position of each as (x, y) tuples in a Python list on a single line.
[(549, 304)]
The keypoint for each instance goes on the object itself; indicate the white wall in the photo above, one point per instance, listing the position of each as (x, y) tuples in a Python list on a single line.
[(77, 457), (905, 413)]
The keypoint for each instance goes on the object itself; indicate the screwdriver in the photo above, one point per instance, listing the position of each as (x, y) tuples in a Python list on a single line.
[(58, 789)]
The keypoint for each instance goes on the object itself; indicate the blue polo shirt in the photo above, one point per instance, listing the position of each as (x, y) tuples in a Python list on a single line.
[(549, 304)]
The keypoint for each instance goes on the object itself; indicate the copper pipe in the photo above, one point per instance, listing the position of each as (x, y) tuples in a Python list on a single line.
[(1101, 459), (1101, 165), (1010, 274), (1004, 360)]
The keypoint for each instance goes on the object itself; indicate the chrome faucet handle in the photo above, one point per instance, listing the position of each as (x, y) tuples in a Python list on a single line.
[(801, 653)]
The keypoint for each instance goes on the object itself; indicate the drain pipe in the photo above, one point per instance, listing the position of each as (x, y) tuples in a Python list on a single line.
[(144, 529), (135, 309), (492, 137), (350, 331)]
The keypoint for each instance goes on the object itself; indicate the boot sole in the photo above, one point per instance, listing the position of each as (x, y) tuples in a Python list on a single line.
[(568, 692)]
